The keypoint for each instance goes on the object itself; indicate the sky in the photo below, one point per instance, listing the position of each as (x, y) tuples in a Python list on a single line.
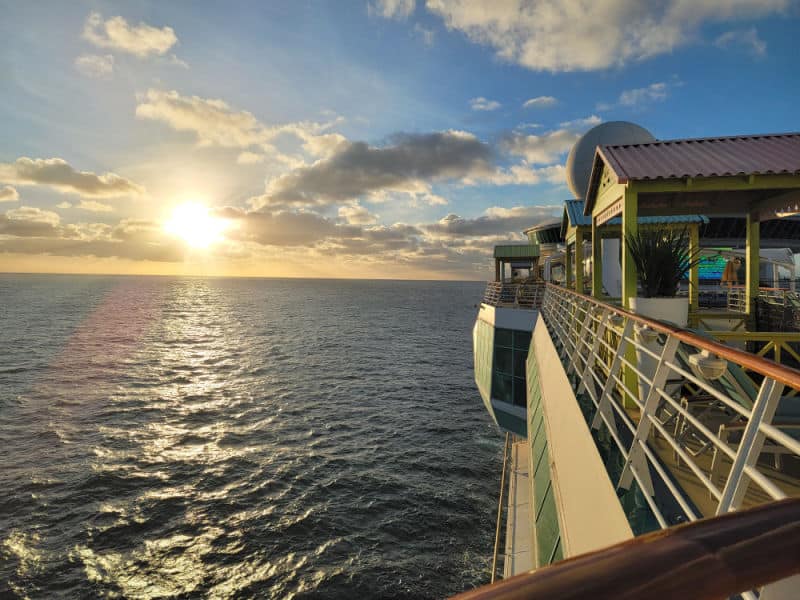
[(381, 139)]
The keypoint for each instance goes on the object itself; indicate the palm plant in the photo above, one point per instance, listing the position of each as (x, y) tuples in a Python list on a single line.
[(662, 259)]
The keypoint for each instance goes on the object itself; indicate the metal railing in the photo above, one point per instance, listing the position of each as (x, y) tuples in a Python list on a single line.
[(714, 558), (519, 295), (661, 394)]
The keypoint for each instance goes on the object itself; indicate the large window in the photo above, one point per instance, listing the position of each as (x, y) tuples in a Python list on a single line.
[(508, 371)]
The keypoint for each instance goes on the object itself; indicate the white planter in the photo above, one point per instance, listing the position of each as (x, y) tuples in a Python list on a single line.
[(672, 310)]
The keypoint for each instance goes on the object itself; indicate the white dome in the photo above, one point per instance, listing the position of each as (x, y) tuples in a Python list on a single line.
[(579, 161)]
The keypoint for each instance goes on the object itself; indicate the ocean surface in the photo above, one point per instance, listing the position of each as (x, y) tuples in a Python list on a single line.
[(241, 438)]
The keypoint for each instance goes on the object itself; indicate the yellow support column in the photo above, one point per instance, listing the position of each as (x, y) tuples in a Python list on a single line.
[(630, 226), (568, 279), (694, 275), (597, 261), (752, 267), (579, 261)]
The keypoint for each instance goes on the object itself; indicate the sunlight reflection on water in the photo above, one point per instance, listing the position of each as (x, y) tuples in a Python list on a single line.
[(242, 438)]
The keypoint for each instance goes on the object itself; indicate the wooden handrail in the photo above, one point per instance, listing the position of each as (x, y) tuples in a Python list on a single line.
[(763, 366), (709, 559)]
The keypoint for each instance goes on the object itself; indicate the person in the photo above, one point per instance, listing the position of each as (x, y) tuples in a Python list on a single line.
[(731, 273)]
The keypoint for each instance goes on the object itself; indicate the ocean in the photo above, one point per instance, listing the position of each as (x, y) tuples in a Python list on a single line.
[(168, 437)]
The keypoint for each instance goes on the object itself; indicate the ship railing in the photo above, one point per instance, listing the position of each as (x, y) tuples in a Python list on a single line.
[(514, 295), (694, 435), (707, 560)]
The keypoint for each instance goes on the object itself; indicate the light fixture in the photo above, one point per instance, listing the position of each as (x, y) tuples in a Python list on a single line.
[(708, 365)]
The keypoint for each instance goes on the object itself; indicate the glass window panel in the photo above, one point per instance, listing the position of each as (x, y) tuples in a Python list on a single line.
[(501, 387), (547, 528), (522, 340), (520, 393), (503, 337), (519, 363), (504, 361)]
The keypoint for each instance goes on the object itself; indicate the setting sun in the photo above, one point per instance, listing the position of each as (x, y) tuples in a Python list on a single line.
[(192, 223)]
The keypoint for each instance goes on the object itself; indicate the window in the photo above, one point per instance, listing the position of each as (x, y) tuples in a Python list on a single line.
[(508, 371)]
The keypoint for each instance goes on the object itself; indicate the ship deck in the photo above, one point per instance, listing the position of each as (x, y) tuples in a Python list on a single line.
[(519, 535)]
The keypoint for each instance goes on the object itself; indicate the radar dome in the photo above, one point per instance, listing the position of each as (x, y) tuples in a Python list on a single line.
[(579, 161)]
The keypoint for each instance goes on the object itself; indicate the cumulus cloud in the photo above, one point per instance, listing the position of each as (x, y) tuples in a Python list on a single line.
[(28, 221), (542, 149), (8, 194), (524, 174), (481, 103), (426, 35), (95, 65), (584, 35), (60, 175), (406, 165), (748, 39), (356, 214), (589, 121), (495, 221), (214, 123), (116, 33), (391, 9), (540, 102), (94, 206), (64, 204)]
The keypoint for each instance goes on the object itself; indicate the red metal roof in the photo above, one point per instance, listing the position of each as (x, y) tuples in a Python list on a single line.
[(771, 154)]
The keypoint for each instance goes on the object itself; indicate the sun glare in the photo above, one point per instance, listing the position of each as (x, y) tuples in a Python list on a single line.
[(192, 223)]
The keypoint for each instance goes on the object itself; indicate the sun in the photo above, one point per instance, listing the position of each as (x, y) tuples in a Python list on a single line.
[(192, 222)]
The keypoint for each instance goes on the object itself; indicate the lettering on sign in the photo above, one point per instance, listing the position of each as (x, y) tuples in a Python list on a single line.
[(610, 211)]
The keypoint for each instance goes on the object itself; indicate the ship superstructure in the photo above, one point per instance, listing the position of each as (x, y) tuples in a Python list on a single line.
[(624, 423)]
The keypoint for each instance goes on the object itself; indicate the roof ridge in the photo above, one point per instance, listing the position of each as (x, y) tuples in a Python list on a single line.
[(706, 139)]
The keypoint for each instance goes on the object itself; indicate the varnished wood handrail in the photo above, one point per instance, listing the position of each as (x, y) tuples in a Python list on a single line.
[(757, 364), (709, 559)]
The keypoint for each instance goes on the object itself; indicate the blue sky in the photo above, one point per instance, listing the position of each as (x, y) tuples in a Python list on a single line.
[(346, 139)]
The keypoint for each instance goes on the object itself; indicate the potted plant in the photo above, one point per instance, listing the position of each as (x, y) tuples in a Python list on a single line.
[(662, 259)]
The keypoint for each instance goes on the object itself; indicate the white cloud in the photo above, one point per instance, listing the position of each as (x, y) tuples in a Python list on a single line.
[(94, 206), (64, 204), (391, 9), (356, 214), (60, 175), (540, 102), (524, 174), (481, 103), (542, 149), (589, 121), (584, 35), (8, 194), (745, 38), (214, 123), (141, 40), (95, 65), (655, 92), (495, 221), (36, 215)]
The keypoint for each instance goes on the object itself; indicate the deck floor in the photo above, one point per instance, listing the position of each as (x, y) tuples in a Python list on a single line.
[(519, 536)]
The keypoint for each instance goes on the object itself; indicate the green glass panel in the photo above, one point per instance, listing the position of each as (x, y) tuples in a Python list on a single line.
[(522, 340), (546, 527), (504, 361), (502, 388), (558, 553), (519, 363), (520, 397), (541, 477), (503, 337)]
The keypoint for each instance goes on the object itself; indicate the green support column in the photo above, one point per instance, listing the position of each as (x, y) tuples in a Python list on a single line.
[(630, 225), (579, 261), (568, 279), (752, 267), (597, 261), (694, 275)]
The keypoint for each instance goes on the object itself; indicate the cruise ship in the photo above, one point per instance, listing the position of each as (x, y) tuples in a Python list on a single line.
[(631, 428)]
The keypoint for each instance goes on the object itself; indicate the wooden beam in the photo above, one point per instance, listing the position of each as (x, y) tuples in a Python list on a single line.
[(569, 265), (597, 261), (753, 263), (630, 227)]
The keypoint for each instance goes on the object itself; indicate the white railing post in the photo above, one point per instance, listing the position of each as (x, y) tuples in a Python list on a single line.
[(590, 362), (584, 325), (751, 445), (604, 410), (637, 460)]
